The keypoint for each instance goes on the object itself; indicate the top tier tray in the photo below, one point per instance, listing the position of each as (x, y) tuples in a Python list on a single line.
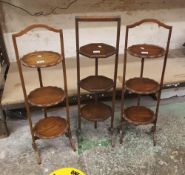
[(146, 51), (40, 59), (97, 50)]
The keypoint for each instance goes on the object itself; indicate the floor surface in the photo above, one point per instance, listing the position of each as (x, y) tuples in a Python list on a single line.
[(94, 154)]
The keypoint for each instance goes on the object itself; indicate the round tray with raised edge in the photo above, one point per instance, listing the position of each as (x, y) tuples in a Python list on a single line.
[(142, 85), (46, 96), (96, 83), (41, 59), (96, 111), (146, 51), (139, 115), (97, 50), (50, 127)]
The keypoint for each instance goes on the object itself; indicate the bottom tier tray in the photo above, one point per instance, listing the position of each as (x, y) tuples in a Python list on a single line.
[(96, 111), (139, 115), (50, 127)]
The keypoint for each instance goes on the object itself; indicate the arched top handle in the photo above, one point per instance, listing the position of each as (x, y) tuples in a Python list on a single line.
[(34, 26), (149, 21)]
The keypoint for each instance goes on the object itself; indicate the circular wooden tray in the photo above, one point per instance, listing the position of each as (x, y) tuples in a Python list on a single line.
[(96, 112), (97, 50), (40, 59), (139, 115), (96, 83), (146, 51), (50, 127), (142, 85), (46, 96)]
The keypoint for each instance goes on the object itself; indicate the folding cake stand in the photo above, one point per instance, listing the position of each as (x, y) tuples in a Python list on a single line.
[(44, 96), (141, 115), (97, 111)]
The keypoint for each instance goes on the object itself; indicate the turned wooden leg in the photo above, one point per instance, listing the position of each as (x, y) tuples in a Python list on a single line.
[(154, 134), (5, 123), (122, 130), (69, 135), (112, 137), (95, 124), (37, 153)]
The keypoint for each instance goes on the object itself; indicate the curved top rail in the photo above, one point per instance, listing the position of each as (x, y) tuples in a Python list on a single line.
[(149, 21), (31, 27), (97, 18)]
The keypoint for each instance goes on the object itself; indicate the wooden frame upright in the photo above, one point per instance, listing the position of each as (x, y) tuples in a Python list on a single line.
[(5, 63), (44, 96), (95, 84), (140, 115)]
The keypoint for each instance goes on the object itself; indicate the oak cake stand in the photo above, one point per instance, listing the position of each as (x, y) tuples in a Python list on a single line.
[(138, 114), (97, 111), (44, 96)]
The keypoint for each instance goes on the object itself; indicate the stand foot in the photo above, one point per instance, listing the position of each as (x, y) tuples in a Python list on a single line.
[(154, 134), (69, 135), (95, 124), (121, 131), (112, 138), (37, 153)]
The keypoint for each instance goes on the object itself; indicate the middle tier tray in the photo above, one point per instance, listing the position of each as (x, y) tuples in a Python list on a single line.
[(46, 96), (96, 83), (142, 85), (96, 111)]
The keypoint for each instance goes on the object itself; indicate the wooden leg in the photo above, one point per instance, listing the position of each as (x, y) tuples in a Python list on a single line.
[(112, 138), (45, 112), (138, 100), (69, 135), (37, 153), (79, 114), (122, 130), (95, 124), (154, 134), (5, 123), (111, 128)]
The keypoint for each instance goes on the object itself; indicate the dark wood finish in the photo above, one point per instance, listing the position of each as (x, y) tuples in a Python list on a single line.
[(4, 60), (4, 63), (141, 76), (96, 83), (40, 76), (4, 132), (97, 50), (46, 96), (139, 115), (146, 51), (96, 111), (41, 59), (142, 85), (97, 18), (50, 127), (149, 20)]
